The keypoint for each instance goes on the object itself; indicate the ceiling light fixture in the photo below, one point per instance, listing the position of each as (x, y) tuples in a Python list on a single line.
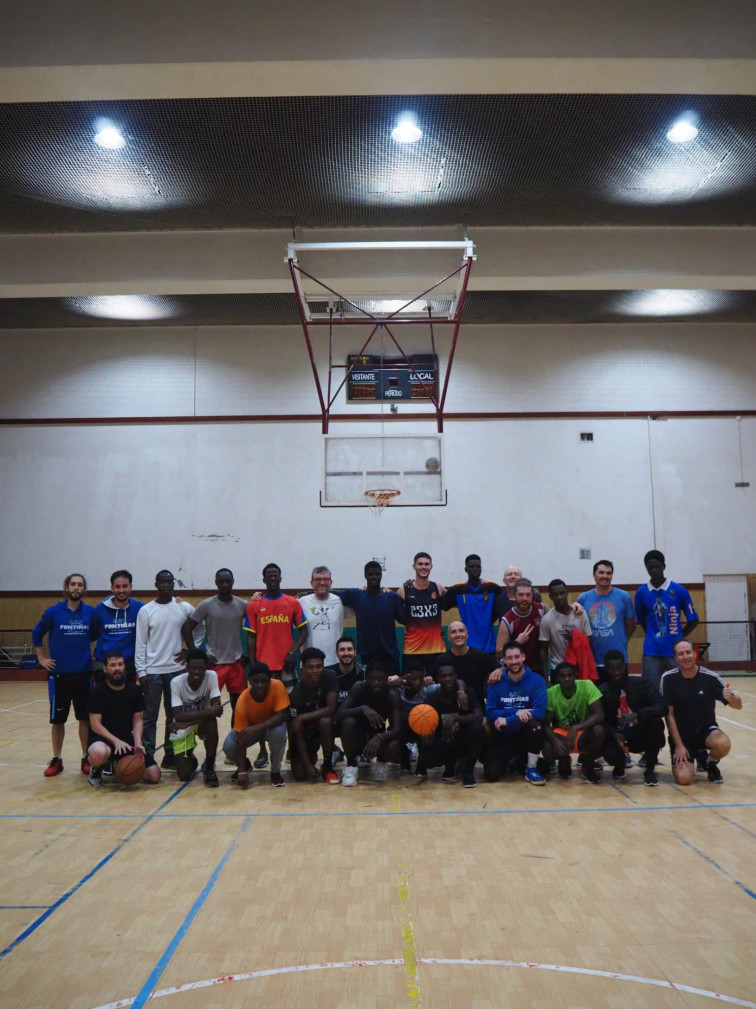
[(132, 307), (110, 137), (406, 130), (684, 129), (661, 303)]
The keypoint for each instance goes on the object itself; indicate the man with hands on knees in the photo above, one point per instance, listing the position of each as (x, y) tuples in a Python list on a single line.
[(313, 705), (574, 723), (260, 717), (515, 710), (196, 707), (370, 725)]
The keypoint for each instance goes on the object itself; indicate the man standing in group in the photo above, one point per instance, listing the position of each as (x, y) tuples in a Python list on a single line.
[(196, 707), (690, 692), (423, 639), (459, 738), (324, 612), (223, 616), (114, 624), (515, 710), (473, 666), (574, 723), (159, 656), (260, 717), (376, 615), (521, 624), (506, 599), (611, 614), (661, 606), (633, 718), (270, 622), (68, 624), (557, 626), (313, 706), (475, 602), (115, 716)]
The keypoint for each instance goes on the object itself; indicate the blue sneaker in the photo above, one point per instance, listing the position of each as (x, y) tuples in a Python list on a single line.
[(534, 776)]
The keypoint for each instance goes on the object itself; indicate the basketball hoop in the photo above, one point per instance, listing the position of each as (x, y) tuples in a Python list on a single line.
[(380, 498)]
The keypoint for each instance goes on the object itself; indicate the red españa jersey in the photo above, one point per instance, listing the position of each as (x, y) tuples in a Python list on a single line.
[(271, 621)]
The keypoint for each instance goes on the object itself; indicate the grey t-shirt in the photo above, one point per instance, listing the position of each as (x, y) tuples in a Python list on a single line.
[(223, 626), (556, 628)]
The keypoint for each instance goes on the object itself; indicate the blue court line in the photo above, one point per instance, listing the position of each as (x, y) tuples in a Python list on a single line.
[(152, 981), (718, 867), (622, 792), (721, 816), (77, 886), (157, 815)]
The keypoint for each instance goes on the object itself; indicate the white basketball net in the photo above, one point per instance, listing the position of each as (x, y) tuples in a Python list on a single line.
[(380, 498)]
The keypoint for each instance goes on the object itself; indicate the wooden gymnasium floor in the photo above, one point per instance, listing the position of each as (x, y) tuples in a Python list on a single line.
[(392, 895)]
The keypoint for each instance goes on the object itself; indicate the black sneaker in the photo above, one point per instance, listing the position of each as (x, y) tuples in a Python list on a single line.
[(702, 760), (449, 775), (618, 772), (564, 768), (261, 761), (591, 776), (713, 773), (95, 777), (468, 779), (276, 779), (248, 768), (421, 771), (168, 763), (649, 777), (211, 778)]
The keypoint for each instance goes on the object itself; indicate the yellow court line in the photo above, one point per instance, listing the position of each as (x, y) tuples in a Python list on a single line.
[(412, 982)]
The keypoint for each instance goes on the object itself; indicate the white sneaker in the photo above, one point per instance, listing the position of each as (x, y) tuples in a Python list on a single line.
[(379, 770), (412, 747), (349, 776)]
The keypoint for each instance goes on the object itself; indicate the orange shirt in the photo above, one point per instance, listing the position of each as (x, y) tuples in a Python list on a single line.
[(251, 712)]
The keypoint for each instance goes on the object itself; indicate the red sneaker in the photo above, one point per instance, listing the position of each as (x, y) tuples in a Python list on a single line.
[(85, 768), (54, 767), (331, 778)]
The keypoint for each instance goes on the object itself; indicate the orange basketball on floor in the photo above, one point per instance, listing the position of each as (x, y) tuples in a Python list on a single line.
[(129, 769), (423, 719)]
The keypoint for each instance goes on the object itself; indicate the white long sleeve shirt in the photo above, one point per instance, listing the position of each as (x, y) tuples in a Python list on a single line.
[(158, 637)]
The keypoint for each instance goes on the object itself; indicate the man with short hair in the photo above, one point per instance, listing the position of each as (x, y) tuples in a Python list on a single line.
[(196, 707), (557, 626), (611, 614), (458, 739), (260, 717), (159, 656), (313, 706), (473, 666), (223, 617), (370, 725), (521, 624), (506, 599), (324, 611), (515, 710), (114, 624), (475, 601), (347, 669), (574, 723), (68, 625), (376, 615), (661, 606), (690, 692), (115, 722), (633, 719), (423, 639)]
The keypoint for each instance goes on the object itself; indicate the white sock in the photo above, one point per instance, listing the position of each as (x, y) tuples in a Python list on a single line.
[(532, 759)]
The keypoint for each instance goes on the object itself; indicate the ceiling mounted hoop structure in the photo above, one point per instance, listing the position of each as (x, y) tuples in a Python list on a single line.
[(440, 303), (380, 498)]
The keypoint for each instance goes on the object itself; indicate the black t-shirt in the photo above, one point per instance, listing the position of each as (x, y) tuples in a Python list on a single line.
[(382, 703), (116, 708), (346, 681), (473, 668), (304, 698), (448, 705), (694, 699)]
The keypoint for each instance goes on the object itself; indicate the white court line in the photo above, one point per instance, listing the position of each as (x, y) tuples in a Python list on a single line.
[(745, 693), (25, 705), (739, 724), (304, 968)]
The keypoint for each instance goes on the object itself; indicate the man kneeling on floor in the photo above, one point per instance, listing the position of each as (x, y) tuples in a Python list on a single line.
[(196, 707), (115, 722), (313, 705), (574, 717), (633, 718), (370, 726), (515, 710), (459, 737), (259, 717)]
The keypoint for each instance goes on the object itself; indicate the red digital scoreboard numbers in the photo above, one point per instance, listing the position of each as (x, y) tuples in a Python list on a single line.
[(373, 377)]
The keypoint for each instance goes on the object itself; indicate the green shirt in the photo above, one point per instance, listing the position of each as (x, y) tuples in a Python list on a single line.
[(567, 711)]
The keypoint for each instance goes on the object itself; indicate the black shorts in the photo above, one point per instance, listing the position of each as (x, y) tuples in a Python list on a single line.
[(65, 689), (149, 761), (694, 740)]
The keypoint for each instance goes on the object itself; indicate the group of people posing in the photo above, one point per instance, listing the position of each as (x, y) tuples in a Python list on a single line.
[(521, 688)]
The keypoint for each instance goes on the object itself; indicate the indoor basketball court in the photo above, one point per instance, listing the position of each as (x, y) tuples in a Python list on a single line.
[(330, 288)]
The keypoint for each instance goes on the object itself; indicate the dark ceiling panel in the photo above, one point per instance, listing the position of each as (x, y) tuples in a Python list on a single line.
[(330, 162), (481, 307)]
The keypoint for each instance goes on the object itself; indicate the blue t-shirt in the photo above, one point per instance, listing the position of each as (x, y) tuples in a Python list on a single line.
[(375, 616), (70, 635), (475, 607), (607, 615), (664, 611)]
